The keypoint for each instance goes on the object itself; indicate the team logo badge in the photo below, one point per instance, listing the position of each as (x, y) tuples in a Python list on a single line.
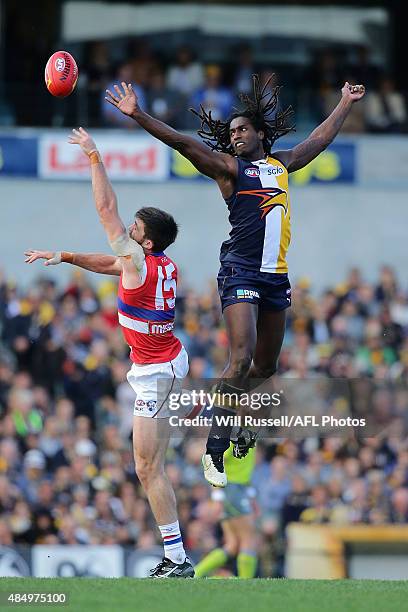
[(269, 198), (252, 172), (59, 64)]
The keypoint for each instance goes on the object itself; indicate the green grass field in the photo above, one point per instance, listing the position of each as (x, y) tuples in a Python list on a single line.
[(127, 594)]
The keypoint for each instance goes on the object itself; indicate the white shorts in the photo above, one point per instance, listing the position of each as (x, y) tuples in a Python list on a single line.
[(154, 382)]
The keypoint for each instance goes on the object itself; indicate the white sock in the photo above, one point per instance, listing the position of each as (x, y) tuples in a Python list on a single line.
[(173, 543)]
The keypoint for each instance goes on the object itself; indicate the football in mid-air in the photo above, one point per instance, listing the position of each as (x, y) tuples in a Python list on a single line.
[(61, 74)]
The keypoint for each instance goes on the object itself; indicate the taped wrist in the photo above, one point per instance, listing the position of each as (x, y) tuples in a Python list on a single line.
[(94, 157), (124, 246), (66, 257)]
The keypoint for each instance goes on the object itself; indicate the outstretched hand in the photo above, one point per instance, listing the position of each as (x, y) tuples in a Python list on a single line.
[(352, 92), (83, 139), (51, 258), (126, 101)]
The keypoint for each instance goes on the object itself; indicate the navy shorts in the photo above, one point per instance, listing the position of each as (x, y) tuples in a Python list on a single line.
[(269, 291)]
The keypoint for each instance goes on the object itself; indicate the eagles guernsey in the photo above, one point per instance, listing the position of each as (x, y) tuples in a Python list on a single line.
[(146, 314), (259, 213)]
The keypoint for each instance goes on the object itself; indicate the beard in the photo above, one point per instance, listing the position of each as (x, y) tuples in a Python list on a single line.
[(138, 241)]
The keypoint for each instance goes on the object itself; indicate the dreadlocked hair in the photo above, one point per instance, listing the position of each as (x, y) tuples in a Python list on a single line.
[(259, 109)]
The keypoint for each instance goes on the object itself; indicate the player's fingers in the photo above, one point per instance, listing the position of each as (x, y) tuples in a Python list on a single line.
[(125, 88), (115, 104), (111, 98), (84, 132), (130, 86), (117, 89)]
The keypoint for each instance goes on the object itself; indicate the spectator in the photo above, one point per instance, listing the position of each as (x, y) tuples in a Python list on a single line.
[(111, 115), (186, 76), (68, 477), (164, 103), (399, 506), (244, 69), (96, 67), (386, 110), (355, 120), (213, 96), (364, 69), (34, 468)]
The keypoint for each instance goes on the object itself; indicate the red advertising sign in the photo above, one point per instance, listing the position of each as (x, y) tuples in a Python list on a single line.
[(126, 157)]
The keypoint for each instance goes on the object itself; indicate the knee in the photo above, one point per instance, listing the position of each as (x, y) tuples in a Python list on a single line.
[(146, 469), (231, 547)]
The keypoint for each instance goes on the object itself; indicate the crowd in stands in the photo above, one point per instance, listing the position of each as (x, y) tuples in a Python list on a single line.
[(168, 84), (167, 92), (66, 467)]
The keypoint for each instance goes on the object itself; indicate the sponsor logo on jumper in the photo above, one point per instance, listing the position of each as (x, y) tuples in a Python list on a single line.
[(160, 328), (275, 170), (252, 172), (247, 293)]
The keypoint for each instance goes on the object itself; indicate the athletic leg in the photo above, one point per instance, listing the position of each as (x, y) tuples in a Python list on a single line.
[(219, 557), (150, 442), (241, 325), (270, 333), (247, 543)]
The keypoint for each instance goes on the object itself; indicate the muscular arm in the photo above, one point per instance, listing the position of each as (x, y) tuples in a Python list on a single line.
[(98, 262), (105, 199), (95, 262), (212, 164), (324, 134), (215, 165)]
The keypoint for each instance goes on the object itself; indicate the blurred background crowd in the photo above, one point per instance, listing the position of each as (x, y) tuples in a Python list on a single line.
[(167, 86), (66, 467)]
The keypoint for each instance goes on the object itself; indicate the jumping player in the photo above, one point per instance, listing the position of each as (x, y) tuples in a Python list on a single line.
[(253, 279), (238, 520), (146, 308)]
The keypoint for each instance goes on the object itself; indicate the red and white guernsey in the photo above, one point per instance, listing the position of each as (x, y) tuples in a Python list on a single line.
[(146, 314)]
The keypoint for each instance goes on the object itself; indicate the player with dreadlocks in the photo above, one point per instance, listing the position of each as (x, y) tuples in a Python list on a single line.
[(253, 279)]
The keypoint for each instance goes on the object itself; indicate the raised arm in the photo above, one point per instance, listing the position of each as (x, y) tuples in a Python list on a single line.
[(218, 166), (95, 262), (131, 254), (324, 134), (104, 196)]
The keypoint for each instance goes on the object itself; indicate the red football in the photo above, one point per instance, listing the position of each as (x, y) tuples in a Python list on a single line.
[(61, 74)]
